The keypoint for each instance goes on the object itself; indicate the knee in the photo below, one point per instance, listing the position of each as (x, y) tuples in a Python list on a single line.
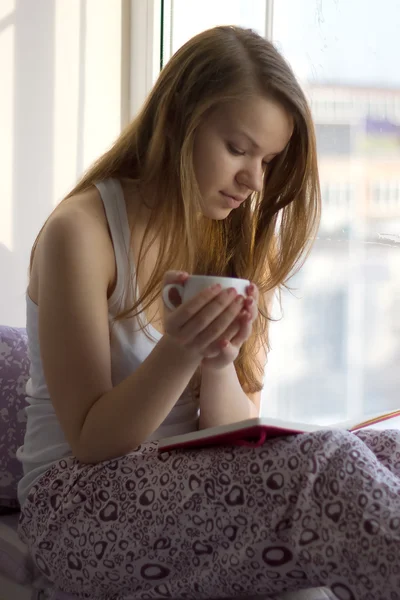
[(326, 442), (332, 454)]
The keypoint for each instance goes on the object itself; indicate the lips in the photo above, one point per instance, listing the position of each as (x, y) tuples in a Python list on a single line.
[(230, 201), (238, 199)]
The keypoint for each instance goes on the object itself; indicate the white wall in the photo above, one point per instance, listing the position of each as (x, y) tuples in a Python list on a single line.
[(61, 105)]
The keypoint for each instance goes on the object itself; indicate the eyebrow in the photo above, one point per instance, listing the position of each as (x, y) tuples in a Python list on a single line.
[(246, 135)]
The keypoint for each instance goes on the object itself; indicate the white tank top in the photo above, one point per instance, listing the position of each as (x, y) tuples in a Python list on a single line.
[(44, 441)]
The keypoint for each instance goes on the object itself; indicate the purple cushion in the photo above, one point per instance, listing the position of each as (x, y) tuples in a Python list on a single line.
[(14, 372)]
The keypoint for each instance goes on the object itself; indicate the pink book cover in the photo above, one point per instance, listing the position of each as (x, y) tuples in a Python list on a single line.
[(254, 432)]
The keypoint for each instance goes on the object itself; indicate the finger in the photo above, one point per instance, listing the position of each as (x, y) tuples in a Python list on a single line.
[(175, 277), (252, 290), (196, 305), (231, 331), (215, 348), (251, 306), (244, 331), (253, 299), (212, 321)]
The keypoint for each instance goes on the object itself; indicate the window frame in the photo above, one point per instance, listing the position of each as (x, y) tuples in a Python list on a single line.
[(167, 11), (140, 53)]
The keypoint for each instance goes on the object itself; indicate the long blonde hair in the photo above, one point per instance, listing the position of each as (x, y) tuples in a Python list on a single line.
[(265, 240)]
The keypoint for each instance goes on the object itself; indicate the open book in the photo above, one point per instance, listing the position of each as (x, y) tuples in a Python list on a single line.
[(254, 432)]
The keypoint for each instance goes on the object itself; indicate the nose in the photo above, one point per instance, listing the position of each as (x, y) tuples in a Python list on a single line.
[(252, 177)]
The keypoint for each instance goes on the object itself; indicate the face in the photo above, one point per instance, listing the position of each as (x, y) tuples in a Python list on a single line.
[(232, 150)]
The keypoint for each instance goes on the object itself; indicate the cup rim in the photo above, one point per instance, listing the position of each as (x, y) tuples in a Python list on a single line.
[(217, 277)]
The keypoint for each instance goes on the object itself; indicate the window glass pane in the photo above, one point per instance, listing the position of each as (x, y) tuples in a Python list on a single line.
[(336, 352), (185, 18)]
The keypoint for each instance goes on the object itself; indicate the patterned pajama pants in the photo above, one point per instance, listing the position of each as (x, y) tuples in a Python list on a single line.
[(298, 512)]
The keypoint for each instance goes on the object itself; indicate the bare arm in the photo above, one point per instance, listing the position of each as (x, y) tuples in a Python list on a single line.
[(127, 414), (100, 422), (222, 399)]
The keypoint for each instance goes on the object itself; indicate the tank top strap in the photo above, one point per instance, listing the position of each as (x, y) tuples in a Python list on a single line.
[(112, 196)]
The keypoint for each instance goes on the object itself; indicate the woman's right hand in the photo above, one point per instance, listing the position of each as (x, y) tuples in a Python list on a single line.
[(199, 323)]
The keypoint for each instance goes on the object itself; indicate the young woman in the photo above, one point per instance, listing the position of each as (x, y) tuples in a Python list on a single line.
[(217, 175)]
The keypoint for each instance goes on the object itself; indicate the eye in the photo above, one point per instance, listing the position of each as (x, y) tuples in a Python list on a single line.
[(235, 151), (268, 163)]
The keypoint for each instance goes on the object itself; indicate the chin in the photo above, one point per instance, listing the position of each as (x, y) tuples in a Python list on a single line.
[(216, 214)]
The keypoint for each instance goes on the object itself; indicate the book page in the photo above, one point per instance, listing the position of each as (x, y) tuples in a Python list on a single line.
[(393, 423), (382, 420)]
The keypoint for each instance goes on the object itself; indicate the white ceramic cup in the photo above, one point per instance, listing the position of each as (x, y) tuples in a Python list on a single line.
[(196, 283)]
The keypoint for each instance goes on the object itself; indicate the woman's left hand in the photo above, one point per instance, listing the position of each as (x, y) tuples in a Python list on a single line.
[(226, 350)]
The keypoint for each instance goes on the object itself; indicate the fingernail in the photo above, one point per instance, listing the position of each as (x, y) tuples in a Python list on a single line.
[(216, 286), (251, 288), (250, 301)]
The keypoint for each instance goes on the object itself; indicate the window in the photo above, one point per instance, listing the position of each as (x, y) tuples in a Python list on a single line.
[(336, 351), (182, 19), (72, 73), (337, 195), (333, 139), (343, 301), (62, 103), (386, 196)]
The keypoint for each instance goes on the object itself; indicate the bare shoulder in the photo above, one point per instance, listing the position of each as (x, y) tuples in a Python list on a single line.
[(76, 224), (72, 270)]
